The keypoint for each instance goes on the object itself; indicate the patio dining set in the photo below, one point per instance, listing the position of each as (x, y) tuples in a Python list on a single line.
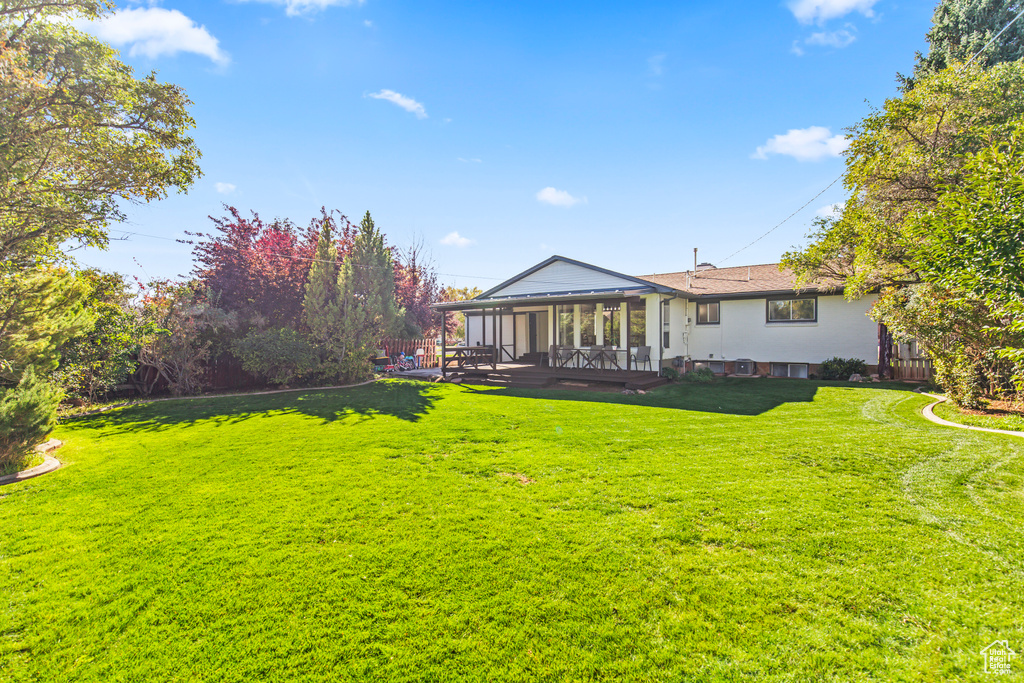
[(599, 357)]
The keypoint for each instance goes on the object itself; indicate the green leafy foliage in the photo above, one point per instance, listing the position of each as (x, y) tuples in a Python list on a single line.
[(281, 355), (699, 376), (962, 29), (27, 413), (369, 311), (40, 309), (81, 134), (842, 368), (106, 355)]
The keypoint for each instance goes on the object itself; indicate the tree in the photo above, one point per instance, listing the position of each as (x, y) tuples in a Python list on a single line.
[(40, 309), (27, 413), (106, 355), (321, 307), (415, 289), (962, 28), (80, 133), (933, 224), (259, 270), (185, 319), (367, 294), (456, 322), (280, 355)]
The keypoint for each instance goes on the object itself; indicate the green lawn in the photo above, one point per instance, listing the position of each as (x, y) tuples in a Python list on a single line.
[(1011, 421), (745, 530)]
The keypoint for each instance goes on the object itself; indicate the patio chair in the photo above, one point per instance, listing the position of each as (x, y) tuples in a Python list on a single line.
[(610, 357), (642, 356), (595, 357), (565, 354), (553, 356)]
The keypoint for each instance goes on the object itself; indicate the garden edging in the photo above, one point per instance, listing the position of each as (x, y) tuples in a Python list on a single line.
[(49, 464), (929, 414)]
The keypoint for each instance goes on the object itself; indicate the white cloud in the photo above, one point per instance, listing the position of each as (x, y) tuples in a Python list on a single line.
[(406, 103), (820, 11), (294, 8), (454, 239), (224, 188), (657, 64), (796, 49), (154, 32), (831, 210), (804, 144), (550, 195), (840, 38)]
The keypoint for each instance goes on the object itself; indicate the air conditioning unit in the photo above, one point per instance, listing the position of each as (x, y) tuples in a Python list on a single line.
[(745, 366)]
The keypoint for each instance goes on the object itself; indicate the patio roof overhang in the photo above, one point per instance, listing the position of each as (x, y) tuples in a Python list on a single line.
[(549, 298)]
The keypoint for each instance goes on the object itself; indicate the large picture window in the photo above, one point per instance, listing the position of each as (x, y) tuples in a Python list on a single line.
[(707, 313), (792, 310)]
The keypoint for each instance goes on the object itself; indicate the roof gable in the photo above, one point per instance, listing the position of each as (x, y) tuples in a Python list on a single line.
[(564, 276)]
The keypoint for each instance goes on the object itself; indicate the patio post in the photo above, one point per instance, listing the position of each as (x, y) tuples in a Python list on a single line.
[(444, 340)]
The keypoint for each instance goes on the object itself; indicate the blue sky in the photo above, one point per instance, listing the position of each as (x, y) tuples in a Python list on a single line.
[(622, 134)]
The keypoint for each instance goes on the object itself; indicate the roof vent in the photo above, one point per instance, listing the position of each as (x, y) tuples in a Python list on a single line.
[(705, 266)]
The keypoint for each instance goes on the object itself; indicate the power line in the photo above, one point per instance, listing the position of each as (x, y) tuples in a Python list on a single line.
[(784, 220), (977, 54), (1008, 25)]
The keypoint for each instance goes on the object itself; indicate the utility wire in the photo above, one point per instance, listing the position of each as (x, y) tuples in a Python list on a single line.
[(976, 55)]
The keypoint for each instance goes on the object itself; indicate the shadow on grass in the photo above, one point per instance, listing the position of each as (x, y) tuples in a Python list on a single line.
[(727, 395), (404, 400)]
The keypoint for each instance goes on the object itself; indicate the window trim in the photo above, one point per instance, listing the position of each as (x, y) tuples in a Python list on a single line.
[(788, 375), (696, 312), (768, 310)]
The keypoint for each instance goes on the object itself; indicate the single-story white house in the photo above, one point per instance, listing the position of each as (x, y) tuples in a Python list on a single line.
[(744, 320)]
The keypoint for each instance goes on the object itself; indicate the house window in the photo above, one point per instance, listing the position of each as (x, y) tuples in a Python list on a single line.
[(707, 313), (566, 328), (797, 370), (588, 330), (716, 366), (638, 323), (611, 325), (792, 310), (665, 308)]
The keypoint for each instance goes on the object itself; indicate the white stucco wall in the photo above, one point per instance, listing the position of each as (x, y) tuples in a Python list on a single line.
[(842, 329)]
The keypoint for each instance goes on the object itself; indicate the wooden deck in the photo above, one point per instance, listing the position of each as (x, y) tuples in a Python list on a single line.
[(531, 376)]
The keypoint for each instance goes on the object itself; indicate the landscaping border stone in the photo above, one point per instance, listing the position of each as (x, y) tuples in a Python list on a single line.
[(49, 464)]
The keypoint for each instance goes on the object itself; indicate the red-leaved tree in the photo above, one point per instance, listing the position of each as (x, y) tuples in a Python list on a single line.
[(415, 289), (259, 269)]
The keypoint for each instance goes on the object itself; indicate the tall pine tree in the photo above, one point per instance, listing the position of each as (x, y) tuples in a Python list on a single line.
[(367, 297), (962, 28), (321, 307)]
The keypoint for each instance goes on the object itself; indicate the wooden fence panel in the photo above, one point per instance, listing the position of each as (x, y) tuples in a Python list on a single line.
[(919, 369), (409, 347)]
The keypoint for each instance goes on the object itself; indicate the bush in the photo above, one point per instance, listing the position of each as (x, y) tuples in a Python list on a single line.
[(842, 368), (280, 355), (671, 374), (27, 413), (702, 376)]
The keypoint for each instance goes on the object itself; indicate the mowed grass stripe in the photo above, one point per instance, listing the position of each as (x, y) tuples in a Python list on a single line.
[(779, 530)]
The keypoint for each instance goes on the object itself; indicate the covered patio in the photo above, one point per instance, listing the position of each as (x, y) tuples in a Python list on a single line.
[(562, 319)]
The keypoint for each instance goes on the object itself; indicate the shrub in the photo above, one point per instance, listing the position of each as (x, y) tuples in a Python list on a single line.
[(842, 368), (671, 374), (280, 355), (701, 376), (27, 413)]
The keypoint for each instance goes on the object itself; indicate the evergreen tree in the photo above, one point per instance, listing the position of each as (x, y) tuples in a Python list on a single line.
[(367, 289), (321, 309), (960, 28)]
